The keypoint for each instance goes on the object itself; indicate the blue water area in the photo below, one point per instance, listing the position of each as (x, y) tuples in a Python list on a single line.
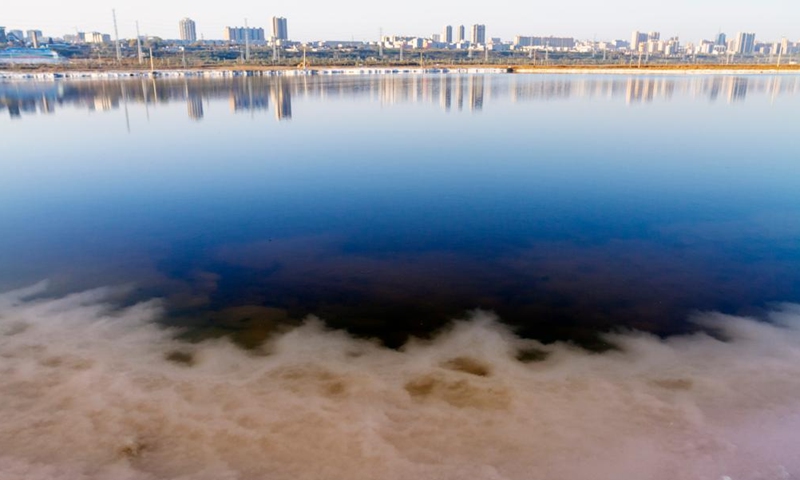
[(388, 205)]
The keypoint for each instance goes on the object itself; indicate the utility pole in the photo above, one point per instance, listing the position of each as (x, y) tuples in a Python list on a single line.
[(401, 51), (139, 44), (246, 41), (152, 62), (116, 36), (486, 53)]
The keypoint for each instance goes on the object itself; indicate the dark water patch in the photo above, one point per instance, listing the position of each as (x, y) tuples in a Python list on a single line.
[(181, 358)]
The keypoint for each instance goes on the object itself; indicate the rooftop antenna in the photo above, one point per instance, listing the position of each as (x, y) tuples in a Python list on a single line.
[(139, 44), (116, 36), (246, 41)]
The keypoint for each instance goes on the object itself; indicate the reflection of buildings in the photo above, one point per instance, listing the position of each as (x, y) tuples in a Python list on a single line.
[(282, 99), (476, 93), (446, 90), (736, 88), (450, 92), (246, 98), (194, 103), (104, 103)]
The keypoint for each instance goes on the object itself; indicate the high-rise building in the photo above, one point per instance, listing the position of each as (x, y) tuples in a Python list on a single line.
[(551, 42), (239, 34), (745, 43), (653, 36), (447, 34), (15, 35), (637, 39), (720, 39), (462, 34), (95, 37), (34, 37), (188, 30), (280, 29), (31, 34), (478, 34), (2, 34)]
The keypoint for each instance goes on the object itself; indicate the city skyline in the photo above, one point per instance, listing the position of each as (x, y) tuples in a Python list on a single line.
[(586, 20)]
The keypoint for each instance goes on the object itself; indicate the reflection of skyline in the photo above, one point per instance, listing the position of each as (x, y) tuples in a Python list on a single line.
[(451, 93), (282, 98)]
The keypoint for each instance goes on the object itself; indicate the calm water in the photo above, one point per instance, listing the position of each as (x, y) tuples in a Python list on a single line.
[(389, 205)]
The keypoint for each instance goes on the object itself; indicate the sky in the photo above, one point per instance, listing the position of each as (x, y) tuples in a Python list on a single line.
[(362, 20)]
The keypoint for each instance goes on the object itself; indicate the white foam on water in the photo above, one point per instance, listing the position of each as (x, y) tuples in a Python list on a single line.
[(88, 391)]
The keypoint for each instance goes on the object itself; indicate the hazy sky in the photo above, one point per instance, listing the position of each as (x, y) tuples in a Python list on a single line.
[(361, 19)]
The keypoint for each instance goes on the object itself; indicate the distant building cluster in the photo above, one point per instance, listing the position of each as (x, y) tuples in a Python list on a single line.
[(244, 34), (461, 37), (280, 33), (556, 43), (450, 38), (641, 43)]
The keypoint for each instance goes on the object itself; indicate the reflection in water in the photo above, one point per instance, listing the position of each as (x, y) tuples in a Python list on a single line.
[(249, 94), (282, 98), (561, 239)]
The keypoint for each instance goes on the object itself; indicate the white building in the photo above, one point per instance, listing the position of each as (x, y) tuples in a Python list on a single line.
[(478, 34), (447, 34), (188, 30)]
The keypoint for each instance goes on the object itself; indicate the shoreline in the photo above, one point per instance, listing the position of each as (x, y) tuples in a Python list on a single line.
[(113, 73)]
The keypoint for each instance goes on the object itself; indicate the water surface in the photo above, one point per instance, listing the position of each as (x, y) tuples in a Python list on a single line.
[(389, 205)]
